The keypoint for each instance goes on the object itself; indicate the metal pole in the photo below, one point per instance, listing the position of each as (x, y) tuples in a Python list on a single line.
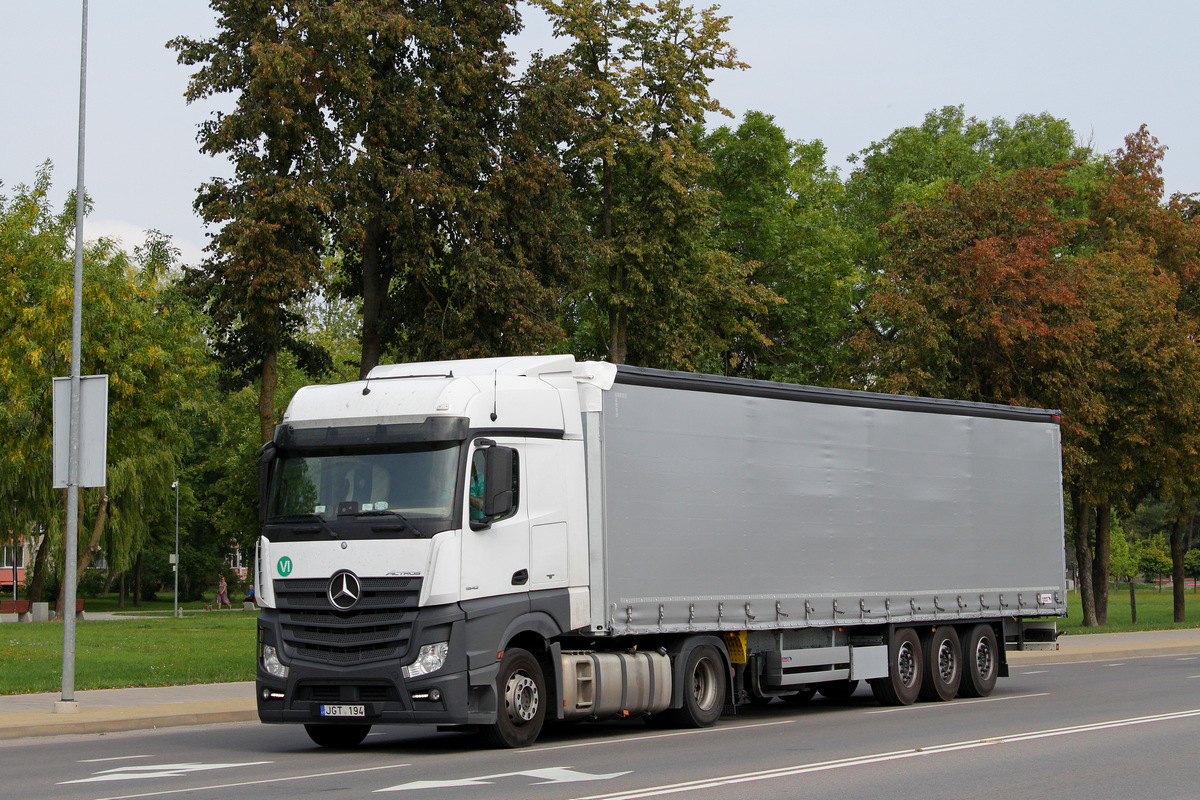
[(175, 486), (71, 535)]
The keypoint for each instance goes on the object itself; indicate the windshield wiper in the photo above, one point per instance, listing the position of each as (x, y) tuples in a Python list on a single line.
[(389, 512), (305, 518)]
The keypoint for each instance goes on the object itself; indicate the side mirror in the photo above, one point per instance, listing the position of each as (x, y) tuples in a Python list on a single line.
[(498, 479), (266, 458)]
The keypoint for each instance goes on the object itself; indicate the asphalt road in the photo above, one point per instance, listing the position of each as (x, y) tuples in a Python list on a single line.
[(1124, 728)]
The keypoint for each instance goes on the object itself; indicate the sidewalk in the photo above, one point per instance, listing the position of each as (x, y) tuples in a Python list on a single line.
[(111, 710)]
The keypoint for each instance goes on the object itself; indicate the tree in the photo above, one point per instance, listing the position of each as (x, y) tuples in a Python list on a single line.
[(777, 210), (1155, 560), (137, 329), (655, 294), (266, 253), (1125, 563), (1191, 567)]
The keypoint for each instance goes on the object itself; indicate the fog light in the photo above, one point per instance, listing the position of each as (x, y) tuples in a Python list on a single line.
[(271, 694), (430, 658), (271, 662)]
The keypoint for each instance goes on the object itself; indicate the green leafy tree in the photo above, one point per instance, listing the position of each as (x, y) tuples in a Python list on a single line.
[(270, 217), (656, 292), (1191, 567), (138, 329), (1155, 561), (777, 208)]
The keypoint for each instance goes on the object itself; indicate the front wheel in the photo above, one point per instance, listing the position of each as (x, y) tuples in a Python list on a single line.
[(337, 737), (520, 701), (704, 684)]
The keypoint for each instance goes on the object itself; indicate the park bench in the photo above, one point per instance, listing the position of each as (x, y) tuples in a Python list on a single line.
[(22, 610)]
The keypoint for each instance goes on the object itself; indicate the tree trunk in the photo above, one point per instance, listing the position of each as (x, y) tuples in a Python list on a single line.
[(373, 292), (1132, 603), (121, 592), (1177, 579), (137, 580), (1083, 555), (84, 558), (34, 595), (1100, 563), (266, 396)]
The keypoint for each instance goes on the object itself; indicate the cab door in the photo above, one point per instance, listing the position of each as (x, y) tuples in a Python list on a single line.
[(495, 550)]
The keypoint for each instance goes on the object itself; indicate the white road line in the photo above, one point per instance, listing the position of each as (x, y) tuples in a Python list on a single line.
[(114, 758), (1116, 664), (1035, 672), (255, 783), (878, 758), (1194, 676), (1188, 658), (955, 704), (623, 739)]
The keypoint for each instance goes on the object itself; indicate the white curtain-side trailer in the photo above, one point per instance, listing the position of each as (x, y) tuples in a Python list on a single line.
[(486, 544)]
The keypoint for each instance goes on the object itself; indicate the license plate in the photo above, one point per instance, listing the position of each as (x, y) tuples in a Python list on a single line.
[(343, 711)]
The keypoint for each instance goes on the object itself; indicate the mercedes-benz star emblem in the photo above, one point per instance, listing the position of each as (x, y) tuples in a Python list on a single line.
[(344, 590)]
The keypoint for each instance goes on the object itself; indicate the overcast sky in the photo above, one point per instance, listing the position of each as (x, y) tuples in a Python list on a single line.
[(847, 73)]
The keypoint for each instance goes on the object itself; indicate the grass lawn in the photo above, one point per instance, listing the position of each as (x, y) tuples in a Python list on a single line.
[(1155, 610), (145, 650)]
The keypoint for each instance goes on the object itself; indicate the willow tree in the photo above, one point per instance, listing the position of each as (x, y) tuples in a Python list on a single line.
[(137, 329)]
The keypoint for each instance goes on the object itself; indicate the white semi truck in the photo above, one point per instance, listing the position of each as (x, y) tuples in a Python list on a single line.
[(490, 544)]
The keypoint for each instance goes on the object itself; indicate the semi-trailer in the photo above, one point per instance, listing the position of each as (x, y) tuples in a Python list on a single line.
[(489, 544)]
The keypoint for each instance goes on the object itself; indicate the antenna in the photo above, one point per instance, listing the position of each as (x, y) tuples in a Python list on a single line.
[(495, 382)]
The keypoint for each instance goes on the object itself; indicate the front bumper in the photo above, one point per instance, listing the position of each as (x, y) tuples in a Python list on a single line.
[(453, 695)]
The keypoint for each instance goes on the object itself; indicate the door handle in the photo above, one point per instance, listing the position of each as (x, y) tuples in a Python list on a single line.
[(520, 577)]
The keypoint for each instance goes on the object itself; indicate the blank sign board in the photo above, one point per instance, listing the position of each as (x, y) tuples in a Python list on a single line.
[(93, 433)]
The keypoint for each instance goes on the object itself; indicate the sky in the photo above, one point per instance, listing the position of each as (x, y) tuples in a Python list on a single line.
[(847, 73)]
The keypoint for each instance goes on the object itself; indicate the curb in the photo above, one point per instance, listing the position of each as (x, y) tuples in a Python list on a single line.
[(30, 724)]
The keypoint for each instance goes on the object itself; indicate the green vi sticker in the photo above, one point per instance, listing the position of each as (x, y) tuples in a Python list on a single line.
[(284, 566)]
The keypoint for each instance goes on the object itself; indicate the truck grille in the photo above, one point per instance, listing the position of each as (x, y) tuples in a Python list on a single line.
[(377, 629)]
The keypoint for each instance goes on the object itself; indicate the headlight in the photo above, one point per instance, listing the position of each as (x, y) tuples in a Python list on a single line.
[(271, 662), (431, 658)]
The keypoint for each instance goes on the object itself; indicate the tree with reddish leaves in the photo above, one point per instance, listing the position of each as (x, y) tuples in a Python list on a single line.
[(1156, 365)]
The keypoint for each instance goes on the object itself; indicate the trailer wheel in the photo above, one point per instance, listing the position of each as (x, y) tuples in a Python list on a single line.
[(801, 697), (704, 688), (520, 701), (980, 662), (337, 737), (943, 664), (837, 690), (903, 682)]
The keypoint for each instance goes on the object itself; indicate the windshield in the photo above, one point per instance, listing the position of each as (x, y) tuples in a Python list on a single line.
[(413, 482)]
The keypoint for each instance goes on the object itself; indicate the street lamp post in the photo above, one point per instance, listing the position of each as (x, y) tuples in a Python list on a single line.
[(175, 486)]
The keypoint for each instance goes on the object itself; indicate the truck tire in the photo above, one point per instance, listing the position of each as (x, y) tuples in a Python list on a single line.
[(337, 737), (943, 664), (837, 690), (520, 701), (902, 685), (704, 688), (980, 662)]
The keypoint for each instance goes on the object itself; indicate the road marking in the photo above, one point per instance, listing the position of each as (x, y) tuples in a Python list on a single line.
[(621, 739), (255, 783), (114, 758), (879, 758), (1188, 658), (1194, 676), (157, 771), (547, 775), (1035, 672), (1116, 664), (956, 703)]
